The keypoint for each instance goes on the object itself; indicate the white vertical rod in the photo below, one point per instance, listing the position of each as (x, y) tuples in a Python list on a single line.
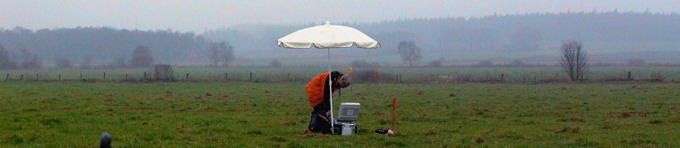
[(330, 89)]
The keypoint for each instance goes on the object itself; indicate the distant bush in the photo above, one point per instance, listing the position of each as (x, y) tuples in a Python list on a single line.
[(370, 75), (364, 64), (517, 63), (435, 63), (163, 72), (64, 63), (484, 63), (275, 63), (637, 62)]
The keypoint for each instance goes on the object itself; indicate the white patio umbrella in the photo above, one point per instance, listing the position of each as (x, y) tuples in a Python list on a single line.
[(328, 36)]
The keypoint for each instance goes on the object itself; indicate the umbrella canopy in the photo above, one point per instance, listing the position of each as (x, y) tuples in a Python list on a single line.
[(327, 36)]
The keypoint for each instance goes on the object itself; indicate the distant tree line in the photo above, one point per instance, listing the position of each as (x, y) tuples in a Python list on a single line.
[(520, 35), (25, 60), (88, 48), (99, 45)]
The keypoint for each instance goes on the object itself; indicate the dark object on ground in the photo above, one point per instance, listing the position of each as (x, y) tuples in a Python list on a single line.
[(106, 141), (382, 131), (319, 122)]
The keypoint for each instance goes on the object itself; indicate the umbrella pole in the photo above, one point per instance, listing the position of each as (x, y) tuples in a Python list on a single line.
[(330, 90)]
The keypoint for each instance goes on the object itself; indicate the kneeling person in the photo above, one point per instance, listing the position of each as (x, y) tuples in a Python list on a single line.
[(319, 99)]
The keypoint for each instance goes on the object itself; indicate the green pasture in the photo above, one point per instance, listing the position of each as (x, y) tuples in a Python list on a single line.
[(245, 114)]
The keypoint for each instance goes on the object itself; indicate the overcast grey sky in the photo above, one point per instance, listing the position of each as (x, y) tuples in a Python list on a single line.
[(197, 15)]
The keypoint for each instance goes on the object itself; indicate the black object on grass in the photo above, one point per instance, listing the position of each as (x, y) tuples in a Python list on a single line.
[(382, 131), (106, 141)]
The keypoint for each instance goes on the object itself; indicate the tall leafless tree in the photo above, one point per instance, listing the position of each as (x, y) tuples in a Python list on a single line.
[(221, 52), (141, 57), (574, 60), (410, 53)]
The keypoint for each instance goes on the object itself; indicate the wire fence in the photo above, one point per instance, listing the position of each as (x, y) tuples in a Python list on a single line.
[(360, 76)]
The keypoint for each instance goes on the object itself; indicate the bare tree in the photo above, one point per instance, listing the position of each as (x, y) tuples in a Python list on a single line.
[(141, 57), (29, 60), (574, 60), (275, 63), (214, 54), (221, 52), (410, 53), (87, 63), (6, 59), (163, 72), (64, 63)]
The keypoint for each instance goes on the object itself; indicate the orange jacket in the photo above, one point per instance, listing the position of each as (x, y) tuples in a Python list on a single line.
[(315, 89)]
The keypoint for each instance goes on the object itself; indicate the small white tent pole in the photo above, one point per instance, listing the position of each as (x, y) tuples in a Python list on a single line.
[(330, 89)]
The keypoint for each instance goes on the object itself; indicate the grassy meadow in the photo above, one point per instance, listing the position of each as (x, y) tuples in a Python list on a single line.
[(246, 114)]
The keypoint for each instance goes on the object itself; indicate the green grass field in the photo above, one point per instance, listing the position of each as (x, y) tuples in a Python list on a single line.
[(240, 114)]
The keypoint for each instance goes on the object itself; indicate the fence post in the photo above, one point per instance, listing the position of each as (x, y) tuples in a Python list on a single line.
[(104, 79), (7, 77), (186, 78), (629, 76), (251, 76), (37, 77), (226, 76), (144, 78), (81, 76), (502, 77), (59, 77), (126, 75), (21, 78)]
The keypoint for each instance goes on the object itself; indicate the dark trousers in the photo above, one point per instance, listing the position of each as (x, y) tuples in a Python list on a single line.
[(320, 122)]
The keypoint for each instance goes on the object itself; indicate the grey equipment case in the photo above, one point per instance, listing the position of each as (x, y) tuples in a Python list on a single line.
[(345, 123)]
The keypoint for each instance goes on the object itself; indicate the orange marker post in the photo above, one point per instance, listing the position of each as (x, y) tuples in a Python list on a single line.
[(394, 115)]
